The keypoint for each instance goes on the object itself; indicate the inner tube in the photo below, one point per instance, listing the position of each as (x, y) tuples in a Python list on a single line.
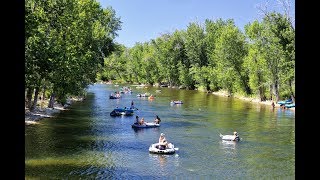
[(157, 149), (146, 125), (229, 138)]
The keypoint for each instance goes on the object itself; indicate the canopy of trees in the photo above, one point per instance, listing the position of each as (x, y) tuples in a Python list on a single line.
[(65, 46)]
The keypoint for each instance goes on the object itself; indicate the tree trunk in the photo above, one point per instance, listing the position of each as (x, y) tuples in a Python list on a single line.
[(291, 92), (261, 88), (35, 99), (29, 97), (44, 92), (261, 94), (276, 90), (208, 86), (246, 86), (271, 95), (244, 80), (51, 101)]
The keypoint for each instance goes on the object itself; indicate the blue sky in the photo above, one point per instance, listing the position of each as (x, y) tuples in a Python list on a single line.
[(143, 20)]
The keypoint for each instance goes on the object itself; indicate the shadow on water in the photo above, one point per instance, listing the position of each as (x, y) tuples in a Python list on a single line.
[(67, 171)]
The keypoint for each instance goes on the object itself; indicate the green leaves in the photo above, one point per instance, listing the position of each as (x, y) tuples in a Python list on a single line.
[(213, 57), (66, 42)]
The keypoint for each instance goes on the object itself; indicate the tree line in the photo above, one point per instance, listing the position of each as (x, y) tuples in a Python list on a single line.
[(212, 56), (69, 44)]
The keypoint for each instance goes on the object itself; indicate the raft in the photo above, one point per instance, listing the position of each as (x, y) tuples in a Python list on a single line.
[(290, 105), (155, 149), (145, 125), (176, 102), (289, 101), (122, 111), (229, 138)]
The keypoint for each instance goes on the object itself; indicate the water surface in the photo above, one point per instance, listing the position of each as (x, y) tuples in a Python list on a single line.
[(85, 142)]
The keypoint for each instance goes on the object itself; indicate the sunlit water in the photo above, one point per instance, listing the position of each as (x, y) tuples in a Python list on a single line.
[(85, 142)]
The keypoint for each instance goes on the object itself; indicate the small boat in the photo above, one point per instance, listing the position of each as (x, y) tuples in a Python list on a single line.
[(123, 111), (233, 137), (128, 112), (176, 102), (288, 101), (145, 125), (156, 149), (126, 109), (290, 105)]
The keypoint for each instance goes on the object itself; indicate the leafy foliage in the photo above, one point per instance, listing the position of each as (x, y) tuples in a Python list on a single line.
[(66, 42)]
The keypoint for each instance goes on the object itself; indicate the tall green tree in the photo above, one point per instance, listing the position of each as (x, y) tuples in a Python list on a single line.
[(213, 30), (279, 51), (255, 62), (196, 53), (230, 51), (66, 43)]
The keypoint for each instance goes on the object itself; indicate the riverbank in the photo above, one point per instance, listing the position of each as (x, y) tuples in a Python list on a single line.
[(42, 111), (253, 100), (226, 94)]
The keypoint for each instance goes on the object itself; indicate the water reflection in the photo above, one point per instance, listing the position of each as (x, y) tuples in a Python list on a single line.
[(286, 112), (160, 159), (228, 144), (164, 161), (229, 148), (141, 131)]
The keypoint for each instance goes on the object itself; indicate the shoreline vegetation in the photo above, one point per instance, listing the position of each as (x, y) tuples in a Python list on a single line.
[(42, 111)]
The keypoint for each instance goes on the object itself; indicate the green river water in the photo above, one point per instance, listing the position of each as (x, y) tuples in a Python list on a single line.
[(85, 142)]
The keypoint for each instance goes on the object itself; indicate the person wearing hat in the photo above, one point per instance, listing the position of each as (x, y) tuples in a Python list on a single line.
[(162, 141)]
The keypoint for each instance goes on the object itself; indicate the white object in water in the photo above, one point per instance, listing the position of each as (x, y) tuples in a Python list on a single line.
[(229, 137), (155, 148)]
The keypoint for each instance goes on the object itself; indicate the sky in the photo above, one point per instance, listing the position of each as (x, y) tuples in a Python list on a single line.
[(143, 20)]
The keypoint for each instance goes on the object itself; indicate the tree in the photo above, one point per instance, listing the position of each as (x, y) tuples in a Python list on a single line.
[(230, 52), (66, 43), (255, 62), (280, 51)]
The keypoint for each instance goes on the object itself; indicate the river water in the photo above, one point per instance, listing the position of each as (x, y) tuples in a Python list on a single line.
[(85, 142)]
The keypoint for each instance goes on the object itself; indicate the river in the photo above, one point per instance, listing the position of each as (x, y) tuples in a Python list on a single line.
[(85, 142)]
